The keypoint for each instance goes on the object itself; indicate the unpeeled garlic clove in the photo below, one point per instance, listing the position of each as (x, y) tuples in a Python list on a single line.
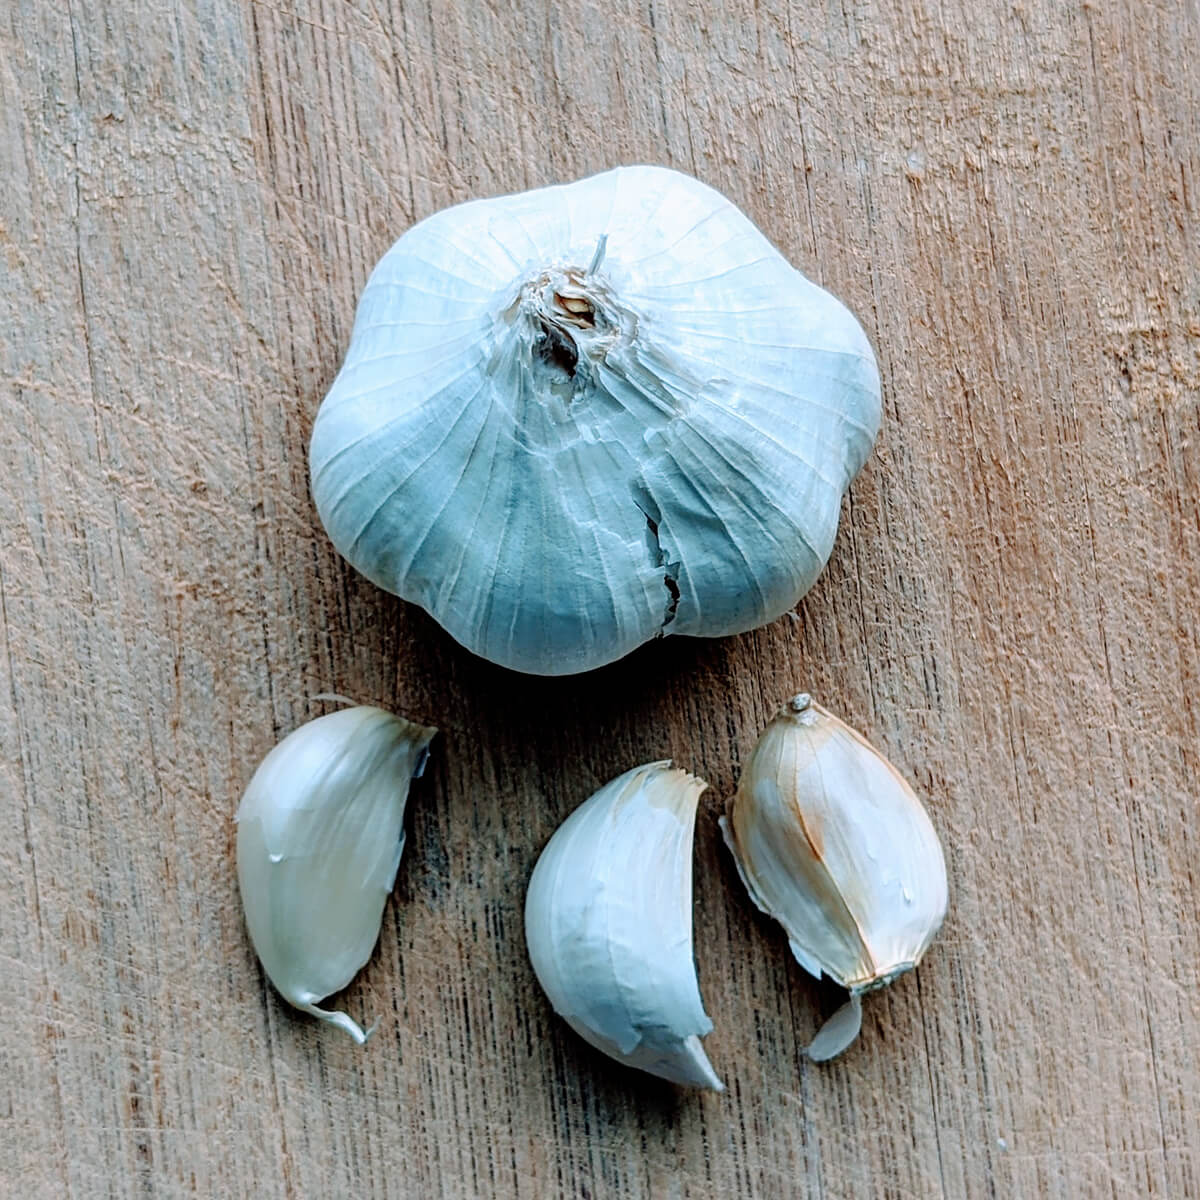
[(320, 834), (608, 922), (832, 842)]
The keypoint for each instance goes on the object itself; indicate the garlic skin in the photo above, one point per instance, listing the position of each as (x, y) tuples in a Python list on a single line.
[(608, 923), (575, 419), (319, 839), (832, 842)]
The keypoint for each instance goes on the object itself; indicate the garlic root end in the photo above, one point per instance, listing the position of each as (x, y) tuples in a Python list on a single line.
[(340, 1019), (700, 1071), (838, 1033)]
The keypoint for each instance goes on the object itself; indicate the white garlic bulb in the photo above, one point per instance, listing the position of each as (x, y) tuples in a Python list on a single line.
[(320, 834), (579, 418), (832, 842), (608, 922)]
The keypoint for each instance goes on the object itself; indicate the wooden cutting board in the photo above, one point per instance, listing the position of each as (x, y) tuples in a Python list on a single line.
[(191, 198)]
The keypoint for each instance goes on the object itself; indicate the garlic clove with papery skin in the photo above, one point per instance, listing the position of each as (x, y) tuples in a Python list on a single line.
[(573, 420), (319, 838), (608, 923), (832, 842)]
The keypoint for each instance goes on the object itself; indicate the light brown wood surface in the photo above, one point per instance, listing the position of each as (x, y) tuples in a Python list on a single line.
[(192, 196)]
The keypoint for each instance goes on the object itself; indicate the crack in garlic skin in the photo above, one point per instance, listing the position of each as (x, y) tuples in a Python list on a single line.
[(662, 559), (521, 365)]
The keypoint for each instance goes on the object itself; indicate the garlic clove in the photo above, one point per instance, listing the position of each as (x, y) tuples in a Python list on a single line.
[(319, 840), (573, 420), (608, 923), (832, 842)]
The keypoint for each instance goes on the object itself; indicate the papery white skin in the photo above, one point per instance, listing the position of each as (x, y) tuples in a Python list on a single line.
[(320, 834), (608, 923), (832, 842), (574, 419)]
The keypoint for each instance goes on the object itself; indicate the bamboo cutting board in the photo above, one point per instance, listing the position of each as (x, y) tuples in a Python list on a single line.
[(191, 198)]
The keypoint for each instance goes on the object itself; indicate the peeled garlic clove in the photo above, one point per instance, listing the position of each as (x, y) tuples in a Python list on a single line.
[(832, 842), (575, 419), (608, 922), (320, 833)]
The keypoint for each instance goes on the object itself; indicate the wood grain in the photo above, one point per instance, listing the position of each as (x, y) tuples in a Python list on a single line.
[(191, 197)]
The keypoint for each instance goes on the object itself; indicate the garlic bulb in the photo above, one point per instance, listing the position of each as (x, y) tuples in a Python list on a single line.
[(831, 842), (320, 833), (579, 418), (608, 922)]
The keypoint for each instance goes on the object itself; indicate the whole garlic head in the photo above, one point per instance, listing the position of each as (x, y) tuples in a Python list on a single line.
[(579, 418), (320, 834), (832, 842), (608, 923)]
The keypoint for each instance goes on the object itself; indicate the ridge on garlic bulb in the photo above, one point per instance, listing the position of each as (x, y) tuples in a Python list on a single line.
[(575, 419), (320, 832), (608, 923), (832, 842)]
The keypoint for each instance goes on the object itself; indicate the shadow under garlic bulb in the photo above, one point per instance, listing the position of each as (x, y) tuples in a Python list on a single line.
[(579, 418)]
